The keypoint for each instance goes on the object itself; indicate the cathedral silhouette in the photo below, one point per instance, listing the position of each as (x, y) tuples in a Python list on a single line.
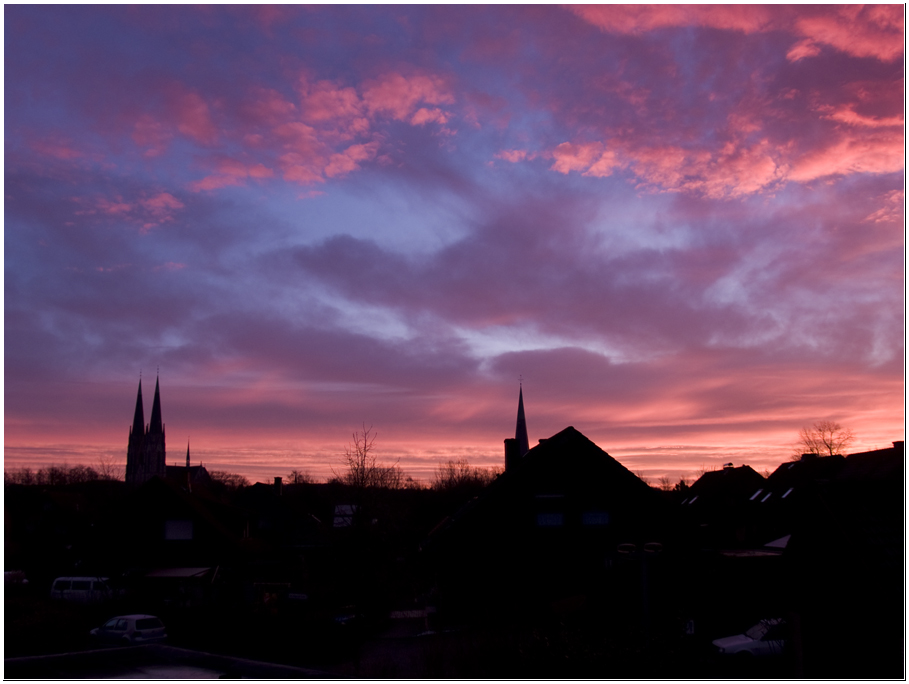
[(145, 455)]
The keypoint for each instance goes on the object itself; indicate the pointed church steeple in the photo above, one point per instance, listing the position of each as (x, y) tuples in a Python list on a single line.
[(139, 416), (520, 433), (187, 453), (154, 425)]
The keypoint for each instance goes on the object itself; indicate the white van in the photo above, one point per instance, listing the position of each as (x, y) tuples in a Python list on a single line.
[(81, 589)]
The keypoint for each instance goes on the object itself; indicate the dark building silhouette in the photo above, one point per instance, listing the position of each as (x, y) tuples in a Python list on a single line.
[(145, 454), (520, 445), (553, 524), (188, 475)]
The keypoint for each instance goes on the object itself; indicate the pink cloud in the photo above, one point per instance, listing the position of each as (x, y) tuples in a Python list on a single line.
[(325, 102), (424, 116), (213, 183), (879, 151), (162, 203), (513, 156), (398, 96), (574, 157), (231, 172), (349, 160), (194, 118), (260, 171), (637, 19), (58, 150), (299, 138), (802, 49), (300, 170), (269, 106), (118, 206), (892, 209), (846, 114), (605, 165), (860, 31)]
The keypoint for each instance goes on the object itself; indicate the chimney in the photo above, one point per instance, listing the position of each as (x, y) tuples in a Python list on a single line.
[(512, 453), (279, 486), (808, 457), (899, 446)]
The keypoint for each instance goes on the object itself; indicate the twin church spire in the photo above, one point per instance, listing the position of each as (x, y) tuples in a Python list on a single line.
[(145, 454)]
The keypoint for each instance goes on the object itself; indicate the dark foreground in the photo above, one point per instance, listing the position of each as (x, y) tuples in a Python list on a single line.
[(578, 645)]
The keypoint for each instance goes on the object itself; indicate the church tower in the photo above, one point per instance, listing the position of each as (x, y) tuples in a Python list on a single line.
[(135, 452), (520, 445), (520, 432), (145, 454)]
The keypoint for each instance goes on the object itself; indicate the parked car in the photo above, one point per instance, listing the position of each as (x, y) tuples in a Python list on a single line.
[(81, 589), (130, 630), (766, 638)]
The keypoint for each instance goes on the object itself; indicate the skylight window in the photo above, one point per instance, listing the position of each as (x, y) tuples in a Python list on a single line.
[(768, 495), (693, 499), (788, 492), (755, 495)]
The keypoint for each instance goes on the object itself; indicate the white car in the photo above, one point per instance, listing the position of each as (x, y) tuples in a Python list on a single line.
[(131, 630), (766, 638), (81, 589)]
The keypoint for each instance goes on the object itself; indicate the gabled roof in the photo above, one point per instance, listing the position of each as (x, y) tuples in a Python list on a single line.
[(809, 470), (566, 465), (877, 465), (726, 484)]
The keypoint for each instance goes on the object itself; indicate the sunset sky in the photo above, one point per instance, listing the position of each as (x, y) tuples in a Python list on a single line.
[(682, 226)]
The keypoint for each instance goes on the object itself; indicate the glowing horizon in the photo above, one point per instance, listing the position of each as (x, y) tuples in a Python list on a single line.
[(681, 225)]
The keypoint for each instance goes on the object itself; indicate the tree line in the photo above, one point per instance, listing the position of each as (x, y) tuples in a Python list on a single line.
[(361, 469)]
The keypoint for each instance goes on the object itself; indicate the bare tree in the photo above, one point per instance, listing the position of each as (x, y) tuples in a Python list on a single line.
[(300, 477), (459, 473), (109, 468), (230, 481), (410, 483), (824, 438), (363, 470)]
